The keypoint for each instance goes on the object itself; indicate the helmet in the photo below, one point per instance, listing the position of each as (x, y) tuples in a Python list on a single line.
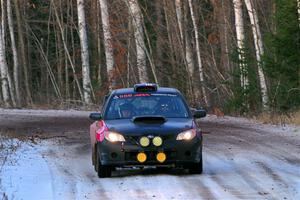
[(164, 105)]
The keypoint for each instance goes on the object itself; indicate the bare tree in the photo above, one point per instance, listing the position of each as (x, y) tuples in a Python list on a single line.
[(7, 83), (258, 49), (222, 15), (15, 52), (200, 67), (136, 15), (185, 40), (71, 60), (4, 71), (179, 16), (240, 35), (107, 43), (3, 24), (84, 53), (186, 50), (159, 40), (23, 53)]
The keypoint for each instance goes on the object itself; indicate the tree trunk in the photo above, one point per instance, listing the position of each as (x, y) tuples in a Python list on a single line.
[(15, 53), (109, 56), (259, 50), (200, 67), (186, 50), (59, 58), (4, 72), (23, 53), (240, 35), (3, 24), (222, 18), (185, 39), (171, 49), (72, 61), (136, 15), (84, 53), (159, 41), (179, 17)]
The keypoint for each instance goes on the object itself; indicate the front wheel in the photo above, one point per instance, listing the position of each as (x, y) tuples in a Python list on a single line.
[(103, 171)]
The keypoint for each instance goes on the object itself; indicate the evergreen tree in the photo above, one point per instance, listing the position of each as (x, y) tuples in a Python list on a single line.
[(282, 57)]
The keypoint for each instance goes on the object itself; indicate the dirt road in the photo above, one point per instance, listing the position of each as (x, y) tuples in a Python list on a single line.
[(51, 160)]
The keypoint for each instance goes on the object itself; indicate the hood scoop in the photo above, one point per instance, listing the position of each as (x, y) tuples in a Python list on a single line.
[(149, 119)]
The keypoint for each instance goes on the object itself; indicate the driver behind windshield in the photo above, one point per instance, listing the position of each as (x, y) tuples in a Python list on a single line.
[(126, 110), (164, 107)]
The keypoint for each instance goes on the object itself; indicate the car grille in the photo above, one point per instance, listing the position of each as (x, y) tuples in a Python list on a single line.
[(151, 155)]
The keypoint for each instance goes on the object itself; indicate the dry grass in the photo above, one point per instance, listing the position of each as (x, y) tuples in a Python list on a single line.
[(282, 119)]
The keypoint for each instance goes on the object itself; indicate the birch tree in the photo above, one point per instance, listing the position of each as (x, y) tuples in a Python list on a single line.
[(179, 17), (257, 38), (84, 53), (240, 35), (107, 43), (4, 72), (137, 20), (15, 52), (7, 83), (200, 67), (184, 39), (3, 24)]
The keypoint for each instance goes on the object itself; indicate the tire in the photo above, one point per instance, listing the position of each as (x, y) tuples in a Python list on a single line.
[(95, 160), (196, 168), (94, 157), (103, 171)]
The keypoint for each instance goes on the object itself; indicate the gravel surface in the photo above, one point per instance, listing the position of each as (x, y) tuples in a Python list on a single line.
[(46, 155)]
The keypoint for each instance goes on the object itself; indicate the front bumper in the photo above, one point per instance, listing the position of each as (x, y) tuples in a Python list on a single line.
[(125, 154)]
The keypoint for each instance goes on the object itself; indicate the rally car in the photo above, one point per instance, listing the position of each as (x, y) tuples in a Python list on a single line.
[(146, 125)]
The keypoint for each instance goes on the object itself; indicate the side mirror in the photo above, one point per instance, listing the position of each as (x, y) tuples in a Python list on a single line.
[(95, 116), (199, 113)]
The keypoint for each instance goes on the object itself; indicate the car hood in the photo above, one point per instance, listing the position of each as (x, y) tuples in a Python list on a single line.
[(129, 128)]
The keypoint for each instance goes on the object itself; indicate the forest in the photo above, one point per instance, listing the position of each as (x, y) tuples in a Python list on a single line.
[(236, 56)]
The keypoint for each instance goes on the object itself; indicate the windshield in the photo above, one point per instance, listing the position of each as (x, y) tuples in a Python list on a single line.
[(126, 106)]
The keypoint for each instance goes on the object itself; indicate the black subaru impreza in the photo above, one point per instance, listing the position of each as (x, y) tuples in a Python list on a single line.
[(146, 125)]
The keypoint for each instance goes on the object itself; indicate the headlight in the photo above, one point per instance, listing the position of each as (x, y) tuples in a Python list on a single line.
[(157, 141), (187, 135), (144, 141), (114, 137)]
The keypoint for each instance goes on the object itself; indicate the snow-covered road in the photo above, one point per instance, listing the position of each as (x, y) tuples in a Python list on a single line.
[(242, 160)]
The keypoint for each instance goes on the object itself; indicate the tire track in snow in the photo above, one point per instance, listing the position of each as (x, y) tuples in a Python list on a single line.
[(241, 161)]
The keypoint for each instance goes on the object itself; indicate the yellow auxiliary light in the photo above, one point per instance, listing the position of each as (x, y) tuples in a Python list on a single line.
[(161, 157), (141, 157), (157, 141), (144, 141)]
